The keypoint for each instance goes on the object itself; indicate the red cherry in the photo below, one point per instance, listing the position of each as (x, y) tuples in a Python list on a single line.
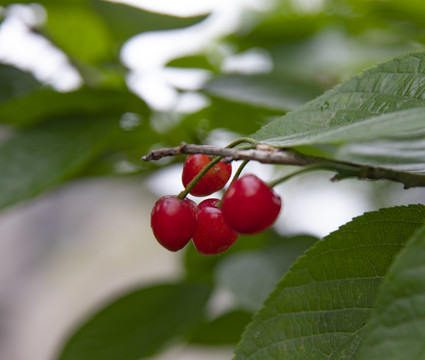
[(174, 221), (250, 206), (212, 181), (213, 235), (209, 202)]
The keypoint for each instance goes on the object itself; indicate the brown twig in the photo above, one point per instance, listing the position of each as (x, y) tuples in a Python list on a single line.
[(269, 155), (274, 156)]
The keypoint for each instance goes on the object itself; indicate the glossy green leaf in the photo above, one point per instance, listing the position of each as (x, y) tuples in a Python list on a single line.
[(138, 324), (14, 82), (44, 105), (38, 158), (394, 123), (223, 330), (263, 91), (404, 152), (322, 306), (392, 87), (397, 330), (379, 114)]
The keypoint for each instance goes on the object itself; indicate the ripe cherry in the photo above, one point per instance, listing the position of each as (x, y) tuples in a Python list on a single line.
[(174, 221), (213, 235), (209, 202), (212, 181), (249, 205)]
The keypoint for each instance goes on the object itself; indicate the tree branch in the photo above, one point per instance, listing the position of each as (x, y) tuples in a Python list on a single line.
[(269, 155)]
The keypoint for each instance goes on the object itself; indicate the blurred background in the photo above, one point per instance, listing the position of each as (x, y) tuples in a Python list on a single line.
[(155, 74)]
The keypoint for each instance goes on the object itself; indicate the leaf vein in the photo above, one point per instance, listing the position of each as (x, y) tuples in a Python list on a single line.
[(287, 341)]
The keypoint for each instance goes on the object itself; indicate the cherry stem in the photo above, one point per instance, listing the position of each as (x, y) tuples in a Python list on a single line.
[(242, 141), (238, 172), (198, 177), (296, 173), (340, 169)]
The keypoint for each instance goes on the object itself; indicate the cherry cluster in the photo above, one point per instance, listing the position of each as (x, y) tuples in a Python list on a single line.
[(248, 206)]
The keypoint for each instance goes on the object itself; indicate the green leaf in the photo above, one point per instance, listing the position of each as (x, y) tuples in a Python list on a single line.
[(138, 324), (322, 306), (282, 24), (251, 275), (357, 106), (292, 22), (91, 32), (263, 91), (198, 267), (194, 61), (384, 102), (411, 11), (396, 330), (48, 104), (404, 152), (126, 20), (380, 126), (79, 31), (201, 268), (14, 82), (224, 330), (237, 117), (38, 158)]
